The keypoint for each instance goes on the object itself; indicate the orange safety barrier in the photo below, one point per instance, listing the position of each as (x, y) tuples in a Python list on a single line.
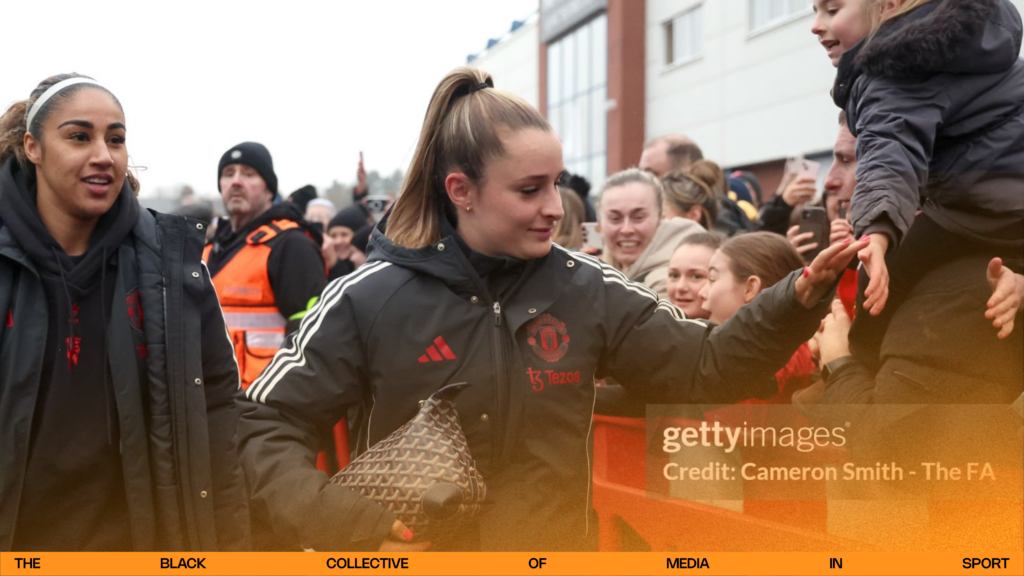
[(629, 520), (503, 563)]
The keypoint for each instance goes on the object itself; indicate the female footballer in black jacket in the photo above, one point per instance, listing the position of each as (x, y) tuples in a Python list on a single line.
[(464, 284)]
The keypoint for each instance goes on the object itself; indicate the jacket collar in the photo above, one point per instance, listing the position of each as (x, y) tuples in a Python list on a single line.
[(846, 75), (543, 279), (443, 260), (144, 231), (9, 248)]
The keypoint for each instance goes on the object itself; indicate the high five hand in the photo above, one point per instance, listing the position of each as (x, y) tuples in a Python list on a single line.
[(821, 275)]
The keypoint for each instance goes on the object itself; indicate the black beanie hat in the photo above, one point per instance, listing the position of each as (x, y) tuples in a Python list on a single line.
[(254, 155), (352, 217), (302, 196), (362, 238)]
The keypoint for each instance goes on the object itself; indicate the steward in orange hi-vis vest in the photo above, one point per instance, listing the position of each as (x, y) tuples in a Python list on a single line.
[(267, 275), (255, 324)]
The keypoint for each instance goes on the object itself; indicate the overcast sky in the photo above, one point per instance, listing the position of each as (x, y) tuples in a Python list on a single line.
[(316, 82)]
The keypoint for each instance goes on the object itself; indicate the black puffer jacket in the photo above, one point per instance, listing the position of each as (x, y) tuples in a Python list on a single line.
[(176, 398), (936, 101), (411, 321)]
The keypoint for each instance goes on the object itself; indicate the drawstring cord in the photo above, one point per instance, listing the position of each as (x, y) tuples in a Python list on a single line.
[(108, 388)]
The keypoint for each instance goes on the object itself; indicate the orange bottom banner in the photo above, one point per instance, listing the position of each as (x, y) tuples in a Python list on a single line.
[(502, 563)]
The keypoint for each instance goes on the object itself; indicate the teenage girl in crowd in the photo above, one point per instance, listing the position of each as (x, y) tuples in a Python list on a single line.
[(637, 240), (932, 91), (466, 262), (740, 270), (117, 380), (688, 272)]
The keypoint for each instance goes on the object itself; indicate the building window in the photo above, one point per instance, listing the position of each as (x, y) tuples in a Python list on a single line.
[(765, 14), (577, 92), (683, 37)]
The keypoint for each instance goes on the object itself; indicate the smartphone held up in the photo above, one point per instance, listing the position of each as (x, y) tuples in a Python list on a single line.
[(814, 221)]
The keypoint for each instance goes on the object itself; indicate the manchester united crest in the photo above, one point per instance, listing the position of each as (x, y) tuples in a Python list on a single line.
[(548, 337)]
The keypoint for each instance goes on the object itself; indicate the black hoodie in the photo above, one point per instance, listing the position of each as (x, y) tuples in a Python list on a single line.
[(74, 493)]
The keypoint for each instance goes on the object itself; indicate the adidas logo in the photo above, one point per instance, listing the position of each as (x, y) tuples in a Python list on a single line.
[(437, 352)]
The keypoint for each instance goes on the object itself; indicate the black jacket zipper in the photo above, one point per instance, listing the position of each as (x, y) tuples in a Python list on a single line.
[(501, 385)]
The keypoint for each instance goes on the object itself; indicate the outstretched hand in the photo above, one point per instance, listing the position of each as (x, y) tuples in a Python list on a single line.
[(822, 274), (873, 258), (833, 338), (1007, 294)]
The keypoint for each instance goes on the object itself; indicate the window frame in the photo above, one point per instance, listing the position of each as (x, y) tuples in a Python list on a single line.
[(576, 105), (668, 35), (771, 25)]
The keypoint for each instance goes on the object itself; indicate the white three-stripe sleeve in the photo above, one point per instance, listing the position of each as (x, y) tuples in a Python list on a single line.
[(611, 275), (313, 379), (296, 355), (667, 360)]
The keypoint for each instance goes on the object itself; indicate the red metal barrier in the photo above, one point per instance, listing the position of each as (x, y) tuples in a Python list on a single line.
[(629, 520), (340, 436)]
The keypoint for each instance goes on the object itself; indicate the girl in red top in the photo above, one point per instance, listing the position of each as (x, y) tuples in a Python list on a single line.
[(743, 267)]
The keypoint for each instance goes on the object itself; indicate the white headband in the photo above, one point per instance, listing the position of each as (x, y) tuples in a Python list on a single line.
[(51, 92)]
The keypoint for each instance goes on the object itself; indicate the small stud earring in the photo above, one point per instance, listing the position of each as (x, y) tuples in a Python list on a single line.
[(469, 208)]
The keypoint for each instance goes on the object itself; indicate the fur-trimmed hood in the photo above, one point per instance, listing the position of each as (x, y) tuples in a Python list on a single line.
[(945, 36), (942, 36), (935, 102)]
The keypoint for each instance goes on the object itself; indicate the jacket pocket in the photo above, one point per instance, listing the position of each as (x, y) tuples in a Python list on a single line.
[(258, 349)]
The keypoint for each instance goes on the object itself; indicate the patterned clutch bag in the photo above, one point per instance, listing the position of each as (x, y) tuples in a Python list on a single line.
[(423, 472)]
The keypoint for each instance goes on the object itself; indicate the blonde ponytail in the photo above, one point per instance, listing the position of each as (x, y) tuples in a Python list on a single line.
[(460, 133)]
